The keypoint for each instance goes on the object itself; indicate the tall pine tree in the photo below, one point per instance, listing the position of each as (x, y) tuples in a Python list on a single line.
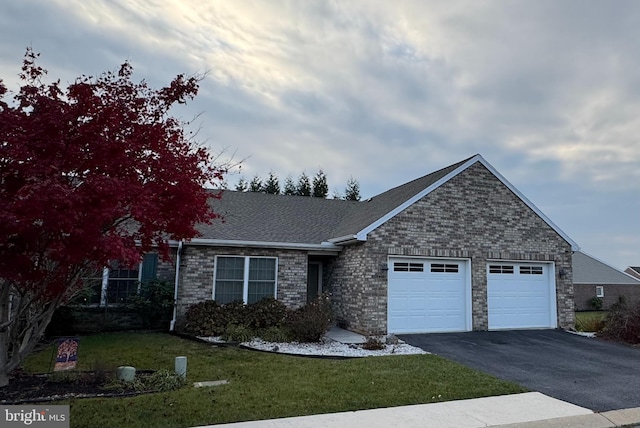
[(272, 185), (256, 184), (320, 186), (304, 185), (289, 186), (242, 185), (352, 191)]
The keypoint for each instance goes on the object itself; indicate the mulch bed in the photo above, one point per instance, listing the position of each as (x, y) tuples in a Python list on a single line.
[(39, 388)]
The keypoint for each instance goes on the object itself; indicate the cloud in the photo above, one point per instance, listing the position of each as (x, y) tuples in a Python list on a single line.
[(384, 91)]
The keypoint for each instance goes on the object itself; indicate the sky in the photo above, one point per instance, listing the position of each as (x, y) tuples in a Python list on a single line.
[(547, 92)]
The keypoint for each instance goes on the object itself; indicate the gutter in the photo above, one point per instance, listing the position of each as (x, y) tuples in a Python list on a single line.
[(347, 239), (324, 246), (172, 326)]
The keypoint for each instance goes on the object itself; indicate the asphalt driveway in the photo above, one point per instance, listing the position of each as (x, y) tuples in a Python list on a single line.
[(591, 373)]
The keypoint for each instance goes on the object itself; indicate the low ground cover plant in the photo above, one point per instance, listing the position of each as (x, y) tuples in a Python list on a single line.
[(269, 319)]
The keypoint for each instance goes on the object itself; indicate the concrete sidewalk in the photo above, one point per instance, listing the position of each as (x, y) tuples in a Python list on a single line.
[(528, 410)]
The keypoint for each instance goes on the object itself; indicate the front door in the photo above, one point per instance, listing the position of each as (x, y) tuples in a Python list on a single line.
[(314, 280)]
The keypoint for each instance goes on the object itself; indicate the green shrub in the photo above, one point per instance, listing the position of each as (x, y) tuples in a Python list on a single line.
[(267, 312), (373, 344), (154, 304), (310, 322), (204, 319), (238, 333), (275, 334), (237, 322), (596, 303), (623, 322)]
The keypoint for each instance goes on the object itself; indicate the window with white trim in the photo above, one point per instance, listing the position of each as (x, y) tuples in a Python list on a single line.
[(116, 283), (599, 291), (408, 267), (444, 267), (507, 269), (530, 270), (245, 279)]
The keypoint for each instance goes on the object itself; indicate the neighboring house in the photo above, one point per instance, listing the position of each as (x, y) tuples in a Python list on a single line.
[(594, 278), (634, 271), (457, 250)]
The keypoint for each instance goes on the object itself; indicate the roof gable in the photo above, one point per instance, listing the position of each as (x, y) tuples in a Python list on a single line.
[(589, 270), (394, 201)]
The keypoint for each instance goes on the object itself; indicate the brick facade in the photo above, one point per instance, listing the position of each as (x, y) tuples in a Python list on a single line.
[(612, 294), (197, 270), (472, 216)]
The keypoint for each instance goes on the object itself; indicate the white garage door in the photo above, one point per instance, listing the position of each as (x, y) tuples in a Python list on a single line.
[(428, 295), (521, 295)]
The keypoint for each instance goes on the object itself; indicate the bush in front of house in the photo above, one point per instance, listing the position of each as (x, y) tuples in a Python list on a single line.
[(623, 322), (265, 313), (154, 303), (310, 322), (269, 319)]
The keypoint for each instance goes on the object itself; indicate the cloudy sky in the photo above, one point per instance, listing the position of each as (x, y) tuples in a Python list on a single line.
[(548, 92)]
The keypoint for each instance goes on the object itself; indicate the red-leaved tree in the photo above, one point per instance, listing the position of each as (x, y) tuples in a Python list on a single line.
[(95, 172)]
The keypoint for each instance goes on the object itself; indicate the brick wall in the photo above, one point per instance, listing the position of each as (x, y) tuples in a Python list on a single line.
[(472, 216), (197, 270), (612, 293)]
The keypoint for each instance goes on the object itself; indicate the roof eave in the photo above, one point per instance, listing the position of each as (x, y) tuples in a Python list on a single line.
[(322, 247)]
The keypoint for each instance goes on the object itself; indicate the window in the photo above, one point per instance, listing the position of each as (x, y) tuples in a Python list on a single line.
[(599, 291), (441, 267), (116, 283), (122, 283), (247, 279), (530, 270), (501, 269), (408, 267)]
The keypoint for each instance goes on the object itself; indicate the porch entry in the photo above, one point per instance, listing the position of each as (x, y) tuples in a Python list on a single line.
[(314, 280)]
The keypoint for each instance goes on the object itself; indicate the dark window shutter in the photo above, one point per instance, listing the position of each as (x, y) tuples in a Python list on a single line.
[(149, 268)]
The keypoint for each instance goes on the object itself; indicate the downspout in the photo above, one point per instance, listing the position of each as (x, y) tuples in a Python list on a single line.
[(172, 326)]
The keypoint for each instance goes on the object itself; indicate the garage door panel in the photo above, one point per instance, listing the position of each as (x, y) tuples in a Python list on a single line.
[(431, 298), (519, 296)]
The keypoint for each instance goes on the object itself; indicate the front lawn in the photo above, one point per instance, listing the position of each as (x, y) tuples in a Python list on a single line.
[(262, 385)]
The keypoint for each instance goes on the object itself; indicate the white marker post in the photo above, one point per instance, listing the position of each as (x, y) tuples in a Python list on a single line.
[(181, 367)]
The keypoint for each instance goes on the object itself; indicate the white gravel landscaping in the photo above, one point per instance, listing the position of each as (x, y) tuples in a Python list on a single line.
[(328, 348)]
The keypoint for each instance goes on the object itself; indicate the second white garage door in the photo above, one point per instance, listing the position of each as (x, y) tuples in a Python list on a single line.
[(428, 295), (521, 295)]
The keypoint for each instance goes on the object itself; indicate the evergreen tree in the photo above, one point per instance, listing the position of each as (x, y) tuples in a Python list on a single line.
[(352, 191), (256, 184), (304, 186), (242, 185), (272, 185), (289, 186), (320, 186)]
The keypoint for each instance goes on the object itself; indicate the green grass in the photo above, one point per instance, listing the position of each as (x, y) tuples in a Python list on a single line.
[(590, 321), (262, 385)]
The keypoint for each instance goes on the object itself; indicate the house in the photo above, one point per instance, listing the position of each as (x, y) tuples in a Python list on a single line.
[(634, 271), (459, 249), (593, 278)]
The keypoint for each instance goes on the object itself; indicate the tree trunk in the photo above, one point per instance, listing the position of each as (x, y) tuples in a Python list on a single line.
[(4, 378)]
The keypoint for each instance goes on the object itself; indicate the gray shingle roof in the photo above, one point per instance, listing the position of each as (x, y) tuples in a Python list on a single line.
[(588, 270), (253, 216)]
